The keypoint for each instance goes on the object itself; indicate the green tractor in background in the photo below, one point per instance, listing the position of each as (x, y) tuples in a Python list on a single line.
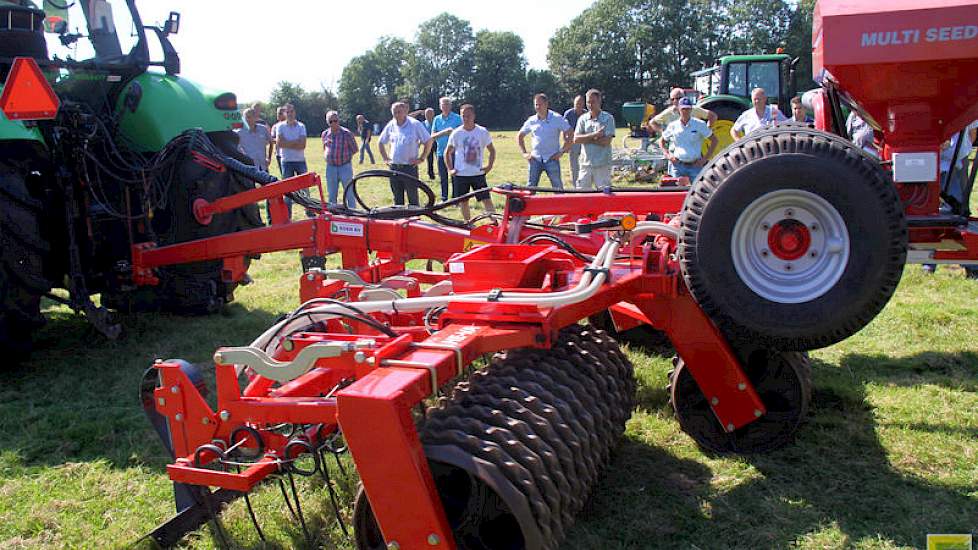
[(119, 162), (725, 88)]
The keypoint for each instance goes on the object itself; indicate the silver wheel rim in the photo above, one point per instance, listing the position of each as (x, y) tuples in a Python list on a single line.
[(799, 279)]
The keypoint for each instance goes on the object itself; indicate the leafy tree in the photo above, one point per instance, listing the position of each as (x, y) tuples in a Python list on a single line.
[(309, 106), (441, 61), (756, 26), (544, 81), (372, 81), (358, 87), (799, 42), (498, 82), (640, 48), (596, 50), (391, 57), (286, 92)]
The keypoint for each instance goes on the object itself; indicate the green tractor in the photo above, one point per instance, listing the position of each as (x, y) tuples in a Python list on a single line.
[(725, 88), (119, 161)]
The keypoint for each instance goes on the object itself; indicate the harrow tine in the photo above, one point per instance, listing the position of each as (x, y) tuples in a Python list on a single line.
[(251, 512), (332, 493), (218, 526), (254, 520), (285, 497), (298, 509)]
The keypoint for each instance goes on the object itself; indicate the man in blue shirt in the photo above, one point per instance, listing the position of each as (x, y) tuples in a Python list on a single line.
[(545, 128), (441, 128)]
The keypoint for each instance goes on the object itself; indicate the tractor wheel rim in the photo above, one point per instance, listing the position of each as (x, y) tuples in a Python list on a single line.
[(790, 246)]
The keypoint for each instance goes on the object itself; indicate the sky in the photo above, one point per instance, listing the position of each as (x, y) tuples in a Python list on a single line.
[(247, 46)]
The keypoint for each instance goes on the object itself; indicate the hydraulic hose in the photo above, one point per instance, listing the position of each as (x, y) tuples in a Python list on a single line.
[(246, 170)]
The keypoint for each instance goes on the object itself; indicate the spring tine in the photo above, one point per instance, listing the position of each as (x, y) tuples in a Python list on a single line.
[(254, 520), (206, 493), (332, 495), (285, 496), (298, 508), (339, 464), (251, 512)]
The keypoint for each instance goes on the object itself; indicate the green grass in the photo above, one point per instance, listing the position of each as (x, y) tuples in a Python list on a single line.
[(889, 454)]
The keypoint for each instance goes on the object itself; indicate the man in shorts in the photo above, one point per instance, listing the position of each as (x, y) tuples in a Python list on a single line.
[(463, 157)]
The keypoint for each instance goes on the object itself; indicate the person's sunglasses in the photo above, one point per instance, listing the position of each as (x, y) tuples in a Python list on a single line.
[(334, 120)]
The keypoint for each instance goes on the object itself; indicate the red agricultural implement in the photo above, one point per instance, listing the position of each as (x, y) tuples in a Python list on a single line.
[(476, 408), (510, 456)]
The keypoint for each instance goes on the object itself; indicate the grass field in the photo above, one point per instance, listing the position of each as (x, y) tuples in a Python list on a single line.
[(889, 454)]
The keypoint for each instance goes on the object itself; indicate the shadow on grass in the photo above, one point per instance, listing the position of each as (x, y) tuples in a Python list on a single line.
[(648, 340), (836, 481), (952, 370), (647, 495), (76, 399)]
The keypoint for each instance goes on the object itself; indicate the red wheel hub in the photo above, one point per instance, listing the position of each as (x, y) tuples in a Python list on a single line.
[(789, 239)]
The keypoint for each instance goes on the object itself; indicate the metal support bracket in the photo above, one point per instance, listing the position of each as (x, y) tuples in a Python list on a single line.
[(281, 371)]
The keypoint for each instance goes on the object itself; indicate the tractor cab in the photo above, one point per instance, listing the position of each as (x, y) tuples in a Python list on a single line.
[(725, 88), (737, 75), (108, 35)]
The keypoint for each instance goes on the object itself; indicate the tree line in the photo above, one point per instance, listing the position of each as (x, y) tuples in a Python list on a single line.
[(629, 49)]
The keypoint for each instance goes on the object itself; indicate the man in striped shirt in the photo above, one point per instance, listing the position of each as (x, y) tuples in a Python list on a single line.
[(339, 145)]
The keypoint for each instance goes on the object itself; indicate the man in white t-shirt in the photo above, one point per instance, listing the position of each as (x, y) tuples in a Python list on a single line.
[(463, 157), (759, 116), (405, 134)]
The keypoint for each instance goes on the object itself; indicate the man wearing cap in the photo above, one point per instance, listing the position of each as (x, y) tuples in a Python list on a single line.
[(682, 142), (671, 113)]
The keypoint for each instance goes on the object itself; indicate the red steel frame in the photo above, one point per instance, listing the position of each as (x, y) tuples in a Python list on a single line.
[(397, 373), (374, 412)]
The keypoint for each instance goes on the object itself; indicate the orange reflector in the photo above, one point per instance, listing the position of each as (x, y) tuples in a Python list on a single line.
[(27, 94), (628, 222)]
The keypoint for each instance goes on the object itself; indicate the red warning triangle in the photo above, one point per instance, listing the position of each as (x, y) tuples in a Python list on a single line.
[(27, 94)]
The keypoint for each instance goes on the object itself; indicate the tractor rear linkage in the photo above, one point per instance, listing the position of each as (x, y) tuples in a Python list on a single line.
[(369, 344)]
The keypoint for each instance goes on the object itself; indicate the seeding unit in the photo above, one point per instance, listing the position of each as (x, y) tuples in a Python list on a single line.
[(790, 239)]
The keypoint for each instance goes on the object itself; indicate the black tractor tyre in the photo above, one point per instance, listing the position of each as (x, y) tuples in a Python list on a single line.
[(792, 238), (195, 288), (22, 253)]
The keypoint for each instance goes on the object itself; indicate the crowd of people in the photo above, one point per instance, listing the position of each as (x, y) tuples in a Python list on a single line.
[(452, 142), (462, 151)]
